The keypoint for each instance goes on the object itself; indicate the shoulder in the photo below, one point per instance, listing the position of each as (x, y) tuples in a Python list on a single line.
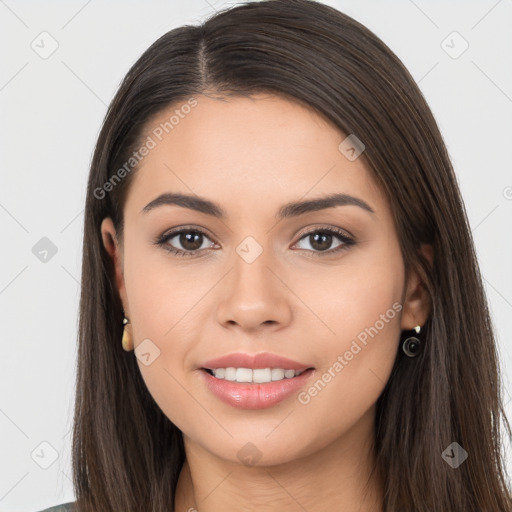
[(65, 507)]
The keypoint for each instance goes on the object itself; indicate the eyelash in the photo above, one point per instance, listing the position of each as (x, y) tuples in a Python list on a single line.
[(347, 241)]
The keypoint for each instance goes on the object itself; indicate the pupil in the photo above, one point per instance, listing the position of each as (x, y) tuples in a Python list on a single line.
[(190, 240), (325, 243)]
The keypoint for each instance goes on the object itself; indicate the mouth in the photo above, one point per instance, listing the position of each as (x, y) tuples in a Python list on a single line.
[(254, 381)]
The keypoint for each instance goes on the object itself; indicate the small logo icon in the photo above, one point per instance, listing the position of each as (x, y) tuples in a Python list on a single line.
[(146, 352), (351, 147), (249, 454), (44, 250), (454, 45), (45, 45), (44, 455), (454, 455), (249, 249)]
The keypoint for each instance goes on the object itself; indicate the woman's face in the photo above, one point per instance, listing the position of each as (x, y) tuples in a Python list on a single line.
[(264, 278)]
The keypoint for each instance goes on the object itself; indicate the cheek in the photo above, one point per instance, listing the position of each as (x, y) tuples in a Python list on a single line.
[(363, 311), (368, 300), (162, 292), (165, 300), (361, 293)]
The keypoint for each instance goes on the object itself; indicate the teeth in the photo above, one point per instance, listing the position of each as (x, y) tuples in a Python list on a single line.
[(258, 375), (230, 373), (278, 374)]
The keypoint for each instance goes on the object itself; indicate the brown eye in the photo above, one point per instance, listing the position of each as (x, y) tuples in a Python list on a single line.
[(185, 242), (321, 240), (190, 240)]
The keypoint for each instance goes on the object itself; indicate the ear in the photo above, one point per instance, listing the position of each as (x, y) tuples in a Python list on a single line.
[(112, 246), (416, 300)]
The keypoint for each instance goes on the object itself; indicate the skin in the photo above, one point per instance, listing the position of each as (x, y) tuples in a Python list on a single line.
[(252, 155)]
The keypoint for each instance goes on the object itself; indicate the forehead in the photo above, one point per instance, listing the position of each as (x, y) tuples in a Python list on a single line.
[(244, 152)]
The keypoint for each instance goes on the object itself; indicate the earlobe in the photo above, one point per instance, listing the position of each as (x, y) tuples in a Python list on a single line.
[(112, 246), (416, 301)]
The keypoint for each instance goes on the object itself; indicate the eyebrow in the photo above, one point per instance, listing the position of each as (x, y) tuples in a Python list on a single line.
[(292, 209)]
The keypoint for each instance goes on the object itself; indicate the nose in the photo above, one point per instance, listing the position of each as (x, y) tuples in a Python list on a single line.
[(252, 296)]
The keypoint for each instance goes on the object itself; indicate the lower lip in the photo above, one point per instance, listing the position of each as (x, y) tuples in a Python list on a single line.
[(255, 396)]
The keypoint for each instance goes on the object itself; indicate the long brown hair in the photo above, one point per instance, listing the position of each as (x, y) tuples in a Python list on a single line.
[(127, 455)]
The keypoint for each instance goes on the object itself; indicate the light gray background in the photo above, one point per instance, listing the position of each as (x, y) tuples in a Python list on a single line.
[(51, 112)]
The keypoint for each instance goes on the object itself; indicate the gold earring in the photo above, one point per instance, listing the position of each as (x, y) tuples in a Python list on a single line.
[(127, 339)]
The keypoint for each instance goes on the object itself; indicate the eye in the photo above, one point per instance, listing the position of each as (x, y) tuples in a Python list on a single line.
[(320, 240), (191, 241)]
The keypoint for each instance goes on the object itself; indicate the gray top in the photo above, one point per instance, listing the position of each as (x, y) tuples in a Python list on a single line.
[(65, 507)]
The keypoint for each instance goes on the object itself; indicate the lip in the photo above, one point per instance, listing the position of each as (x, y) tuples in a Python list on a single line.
[(261, 360), (255, 396)]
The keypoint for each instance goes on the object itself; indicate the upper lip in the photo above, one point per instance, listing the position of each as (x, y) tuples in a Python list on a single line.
[(261, 360)]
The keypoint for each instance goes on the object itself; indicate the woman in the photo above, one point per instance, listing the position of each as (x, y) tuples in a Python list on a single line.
[(275, 237)]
